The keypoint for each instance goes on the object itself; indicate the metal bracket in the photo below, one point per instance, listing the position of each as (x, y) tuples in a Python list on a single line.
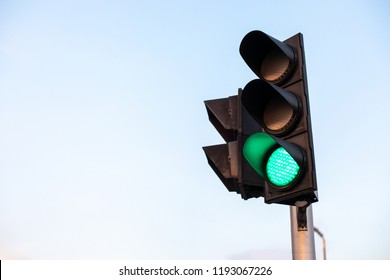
[(301, 215)]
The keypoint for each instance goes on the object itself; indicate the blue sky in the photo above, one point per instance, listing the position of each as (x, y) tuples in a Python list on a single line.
[(102, 122)]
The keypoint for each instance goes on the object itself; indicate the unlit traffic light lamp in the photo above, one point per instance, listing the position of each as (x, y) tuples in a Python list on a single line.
[(274, 108), (282, 151), (270, 59)]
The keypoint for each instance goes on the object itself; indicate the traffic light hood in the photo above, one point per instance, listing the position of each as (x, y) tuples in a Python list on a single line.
[(256, 150), (276, 109), (269, 59), (223, 115)]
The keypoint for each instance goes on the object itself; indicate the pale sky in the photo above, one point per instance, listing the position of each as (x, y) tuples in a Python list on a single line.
[(102, 125)]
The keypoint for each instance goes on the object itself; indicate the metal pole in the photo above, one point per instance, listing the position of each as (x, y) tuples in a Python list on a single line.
[(302, 232), (323, 241)]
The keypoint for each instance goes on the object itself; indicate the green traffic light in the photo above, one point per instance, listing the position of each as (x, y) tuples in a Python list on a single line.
[(271, 161), (281, 168)]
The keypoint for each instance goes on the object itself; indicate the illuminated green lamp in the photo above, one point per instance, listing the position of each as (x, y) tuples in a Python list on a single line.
[(271, 161), (281, 168)]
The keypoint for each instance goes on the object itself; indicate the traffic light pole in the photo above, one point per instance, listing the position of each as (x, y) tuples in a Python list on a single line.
[(302, 232)]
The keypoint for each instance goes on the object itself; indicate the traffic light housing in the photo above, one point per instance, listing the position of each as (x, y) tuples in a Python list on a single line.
[(281, 151), (234, 125)]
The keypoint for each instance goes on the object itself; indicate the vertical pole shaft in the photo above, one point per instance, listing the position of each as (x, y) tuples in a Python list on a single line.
[(302, 233)]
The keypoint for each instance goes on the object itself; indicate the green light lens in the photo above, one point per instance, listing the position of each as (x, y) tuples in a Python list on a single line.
[(281, 168)]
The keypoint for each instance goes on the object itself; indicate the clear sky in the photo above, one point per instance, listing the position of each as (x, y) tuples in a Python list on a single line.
[(102, 125)]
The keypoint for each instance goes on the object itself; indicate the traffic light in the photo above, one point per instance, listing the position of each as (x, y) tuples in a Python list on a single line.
[(281, 151), (234, 125)]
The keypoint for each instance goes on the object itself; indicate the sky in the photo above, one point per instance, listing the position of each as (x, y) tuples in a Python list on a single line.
[(102, 122)]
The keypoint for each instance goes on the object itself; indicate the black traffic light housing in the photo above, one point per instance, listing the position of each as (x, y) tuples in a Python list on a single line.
[(234, 124), (279, 103)]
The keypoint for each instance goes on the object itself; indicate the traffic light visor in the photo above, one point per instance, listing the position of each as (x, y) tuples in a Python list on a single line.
[(276, 109), (270, 59), (256, 149)]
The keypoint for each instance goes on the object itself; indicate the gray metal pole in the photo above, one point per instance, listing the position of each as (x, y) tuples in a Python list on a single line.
[(323, 241), (302, 232)]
